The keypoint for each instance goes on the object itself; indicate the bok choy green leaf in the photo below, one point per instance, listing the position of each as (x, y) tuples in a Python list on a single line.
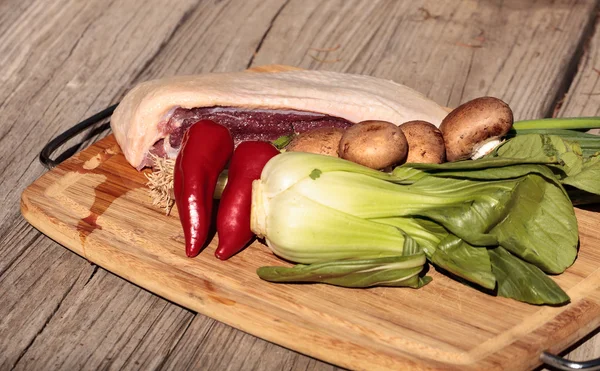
[(574, 168), (523, 281), (491, 268), (447, 251), (390, 271), (588, 179), (541, 227)]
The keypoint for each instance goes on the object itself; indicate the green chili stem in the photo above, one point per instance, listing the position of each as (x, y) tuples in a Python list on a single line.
[(221, 183)]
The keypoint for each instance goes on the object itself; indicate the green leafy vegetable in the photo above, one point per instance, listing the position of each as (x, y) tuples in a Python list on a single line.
[(523, 281), (589, 143), (573, 168), (541, 227), (427, 233), (457, 213), (448, 251), (479, 164), (509, 275), (543, 147), (466, 261), (588, 179), (391, 271), (304, 231), (498, 173)]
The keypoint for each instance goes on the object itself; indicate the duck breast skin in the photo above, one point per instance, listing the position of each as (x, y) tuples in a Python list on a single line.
[(153, 110)]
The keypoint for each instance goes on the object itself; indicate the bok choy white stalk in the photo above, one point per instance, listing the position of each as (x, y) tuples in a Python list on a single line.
[(342, 249), (298, 227)]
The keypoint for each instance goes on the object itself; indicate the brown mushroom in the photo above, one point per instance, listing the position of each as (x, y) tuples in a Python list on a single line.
[(425, 142), (474, 128), (376, 144), (324, 141)]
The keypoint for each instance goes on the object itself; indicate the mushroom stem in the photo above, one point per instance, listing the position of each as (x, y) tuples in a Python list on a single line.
[(483, 148)]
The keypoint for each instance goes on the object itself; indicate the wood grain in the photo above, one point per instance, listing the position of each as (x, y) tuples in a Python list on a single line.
[(96, 205), (61, 61), (142, 324), (451, 51), (583, 96)]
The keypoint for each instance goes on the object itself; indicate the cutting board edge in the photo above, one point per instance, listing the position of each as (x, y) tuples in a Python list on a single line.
[(44, 223)]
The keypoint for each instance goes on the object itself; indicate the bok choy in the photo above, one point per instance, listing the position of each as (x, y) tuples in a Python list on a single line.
[(350, 225)]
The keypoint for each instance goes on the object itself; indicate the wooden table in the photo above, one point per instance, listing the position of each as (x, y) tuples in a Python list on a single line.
[(63, 60)]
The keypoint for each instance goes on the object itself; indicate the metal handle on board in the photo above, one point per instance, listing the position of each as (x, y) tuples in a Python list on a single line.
[(62, 138), (560, 363)]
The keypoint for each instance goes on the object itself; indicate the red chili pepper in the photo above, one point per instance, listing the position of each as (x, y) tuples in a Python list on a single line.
[(205, 149), (233, 216)]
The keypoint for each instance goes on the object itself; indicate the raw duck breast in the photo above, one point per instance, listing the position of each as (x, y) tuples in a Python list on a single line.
[(152, 116)]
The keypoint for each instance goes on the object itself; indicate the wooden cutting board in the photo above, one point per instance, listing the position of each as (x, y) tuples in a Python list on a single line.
[(97, 205)]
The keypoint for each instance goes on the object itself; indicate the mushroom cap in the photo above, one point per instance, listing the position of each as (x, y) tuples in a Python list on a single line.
[(324, 141), (375, 144), (425, 142), (471, 124)]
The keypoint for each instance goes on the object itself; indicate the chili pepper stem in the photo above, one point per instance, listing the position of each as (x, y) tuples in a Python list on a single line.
[(221, 183)]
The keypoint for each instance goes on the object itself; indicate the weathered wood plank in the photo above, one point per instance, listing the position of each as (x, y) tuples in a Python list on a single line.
[(31, 293), (583, 96), (95, 327), (217, 37), (213, 345), (11, 12), (452, 51)]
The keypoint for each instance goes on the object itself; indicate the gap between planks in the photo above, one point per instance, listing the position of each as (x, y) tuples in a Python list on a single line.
[(264, 36), (576, 62)]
